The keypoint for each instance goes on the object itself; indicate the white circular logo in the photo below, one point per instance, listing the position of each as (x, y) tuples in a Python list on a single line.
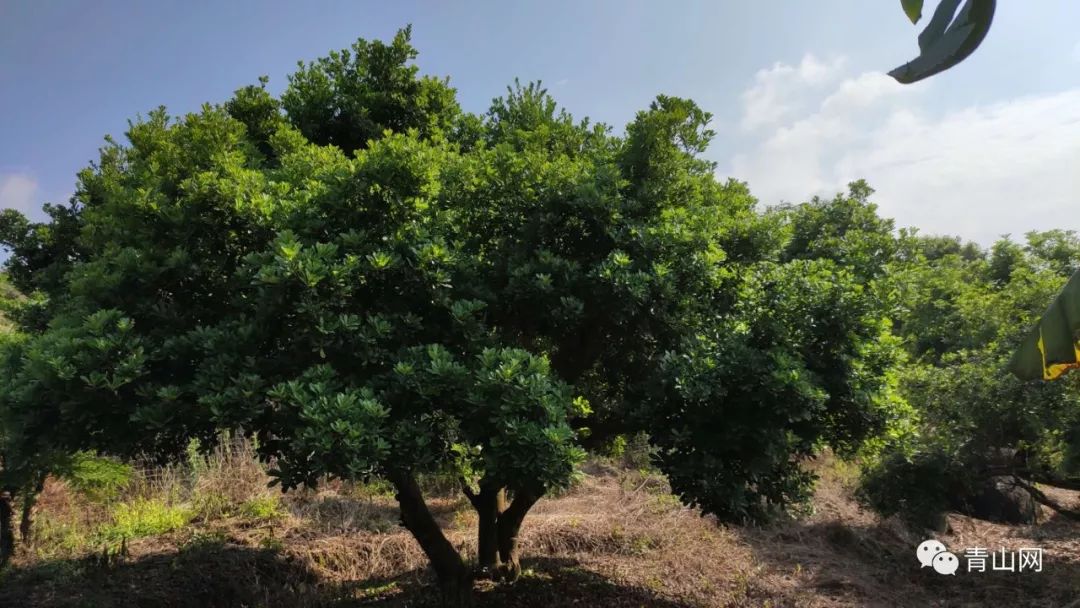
[(927, 550), (946, 563)]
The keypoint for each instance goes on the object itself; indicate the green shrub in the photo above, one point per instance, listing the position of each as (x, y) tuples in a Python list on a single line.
[(638, 453), (212, 505), (919, 487), (614, 449), (262, 507), (96, 478)]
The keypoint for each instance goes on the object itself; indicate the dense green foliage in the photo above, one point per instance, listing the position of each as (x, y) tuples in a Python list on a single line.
[(962, 312)]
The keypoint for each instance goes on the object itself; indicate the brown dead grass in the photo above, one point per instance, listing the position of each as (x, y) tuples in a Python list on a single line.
[(616, 539)]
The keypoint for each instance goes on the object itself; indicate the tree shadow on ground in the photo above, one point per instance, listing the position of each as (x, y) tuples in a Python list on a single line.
[(220, 575), (212, 575), (875, 565)]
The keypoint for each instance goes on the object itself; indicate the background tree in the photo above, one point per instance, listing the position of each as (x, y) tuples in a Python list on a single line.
[(961, 317)]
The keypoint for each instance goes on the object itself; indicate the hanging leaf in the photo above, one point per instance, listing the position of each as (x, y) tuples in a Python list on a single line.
[(1052, 347), (913, 9), (946, 41), (939, 23)]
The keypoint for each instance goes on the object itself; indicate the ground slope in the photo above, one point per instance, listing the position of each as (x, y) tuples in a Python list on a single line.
[(617, 539)]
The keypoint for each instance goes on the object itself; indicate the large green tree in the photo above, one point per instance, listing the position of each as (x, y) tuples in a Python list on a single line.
[(375, 284)]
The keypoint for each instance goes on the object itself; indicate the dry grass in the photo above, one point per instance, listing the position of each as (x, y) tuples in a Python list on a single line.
[(617, 539)]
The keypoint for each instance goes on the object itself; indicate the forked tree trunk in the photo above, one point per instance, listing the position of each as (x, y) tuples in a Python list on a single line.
[(455, 580), (489, 503), (7, 527), (499, 528), (509, 528)]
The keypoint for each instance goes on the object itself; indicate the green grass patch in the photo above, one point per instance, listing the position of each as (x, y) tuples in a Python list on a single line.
[(58, 539), (211, 505), (374, 488), (262, 507), (145, 517)]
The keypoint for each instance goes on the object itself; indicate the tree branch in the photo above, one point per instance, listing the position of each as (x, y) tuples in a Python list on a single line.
[(469, 493), (1046, 500)]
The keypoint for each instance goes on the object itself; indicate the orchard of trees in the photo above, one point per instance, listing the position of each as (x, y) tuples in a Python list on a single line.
[(375, 284)]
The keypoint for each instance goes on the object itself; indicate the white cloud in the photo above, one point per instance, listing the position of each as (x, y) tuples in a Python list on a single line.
[(978, 172), (17, 191), (771, 99)]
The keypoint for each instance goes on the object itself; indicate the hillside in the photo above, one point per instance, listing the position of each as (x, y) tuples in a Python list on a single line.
[(617, 539)]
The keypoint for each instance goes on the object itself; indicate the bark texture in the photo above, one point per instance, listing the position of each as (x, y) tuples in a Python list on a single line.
[(455, 580), (509, 529), (489, 503)]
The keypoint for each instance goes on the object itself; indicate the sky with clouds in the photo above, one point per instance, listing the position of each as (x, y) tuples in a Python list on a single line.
[(800, 101)]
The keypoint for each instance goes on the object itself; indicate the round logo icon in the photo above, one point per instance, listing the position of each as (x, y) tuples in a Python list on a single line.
[(927, 550), (946, 563)]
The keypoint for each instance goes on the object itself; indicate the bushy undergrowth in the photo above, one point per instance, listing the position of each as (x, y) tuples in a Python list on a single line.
[(97, 502)]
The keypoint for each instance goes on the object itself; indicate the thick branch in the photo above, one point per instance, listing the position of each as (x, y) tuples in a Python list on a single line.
[(1067, 484), (1043, 499), (467, 490), (509, 528), (1037, 476), (455, 581), (490, 504)]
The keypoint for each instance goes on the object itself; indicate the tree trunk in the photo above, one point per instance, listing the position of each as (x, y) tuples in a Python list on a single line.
[(489, 504), (7, 528), (26, 523), (455, 580), (509, 527)]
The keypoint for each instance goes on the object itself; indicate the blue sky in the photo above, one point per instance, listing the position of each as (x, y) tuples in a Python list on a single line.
[(797, 88)]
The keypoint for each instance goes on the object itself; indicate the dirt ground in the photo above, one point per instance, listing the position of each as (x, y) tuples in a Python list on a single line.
[(617, 539)]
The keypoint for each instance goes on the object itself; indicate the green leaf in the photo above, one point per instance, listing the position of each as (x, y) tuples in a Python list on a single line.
[(913, 9), (1051, 347), (946, 42)]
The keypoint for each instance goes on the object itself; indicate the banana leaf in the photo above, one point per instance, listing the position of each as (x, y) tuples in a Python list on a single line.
[(946, 41), (1052, 347)]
